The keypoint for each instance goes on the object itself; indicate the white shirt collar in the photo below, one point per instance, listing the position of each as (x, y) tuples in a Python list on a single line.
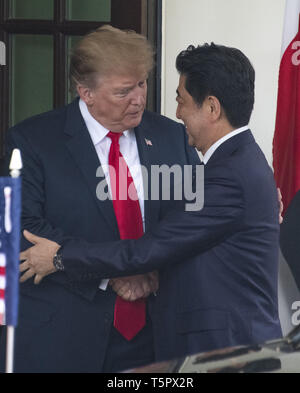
[(96, 130), (219, 142)]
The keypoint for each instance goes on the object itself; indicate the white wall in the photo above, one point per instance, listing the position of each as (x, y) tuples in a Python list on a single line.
[(254, 26)]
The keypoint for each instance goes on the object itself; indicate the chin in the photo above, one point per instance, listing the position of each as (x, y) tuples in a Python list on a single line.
[(135, 121), (191, 141)]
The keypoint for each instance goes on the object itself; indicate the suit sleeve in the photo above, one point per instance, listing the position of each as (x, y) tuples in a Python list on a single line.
[(33, 202), (33, 195), (179, 236)]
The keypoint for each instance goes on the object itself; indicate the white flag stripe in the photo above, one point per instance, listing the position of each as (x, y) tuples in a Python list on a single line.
[(7, 213), (2, 282), (290, 29), (2, 306), (2, 259)]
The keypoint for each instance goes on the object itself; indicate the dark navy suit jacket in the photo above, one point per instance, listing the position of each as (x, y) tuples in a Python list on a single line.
[(64, 324), (220, 264)]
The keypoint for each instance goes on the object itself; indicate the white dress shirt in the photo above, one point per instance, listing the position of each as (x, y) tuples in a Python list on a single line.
[(217, 144), (129, 150)]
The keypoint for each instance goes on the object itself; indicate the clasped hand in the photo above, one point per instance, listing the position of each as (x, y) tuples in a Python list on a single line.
[(38, 263), (135, 287)]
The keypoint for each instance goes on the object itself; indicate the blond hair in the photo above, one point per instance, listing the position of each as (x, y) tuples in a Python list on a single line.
[(108, 51)]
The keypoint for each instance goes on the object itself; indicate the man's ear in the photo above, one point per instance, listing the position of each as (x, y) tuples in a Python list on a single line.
[(214, 107), (85, 94)]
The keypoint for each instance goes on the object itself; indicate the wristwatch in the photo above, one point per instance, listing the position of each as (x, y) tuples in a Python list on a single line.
[(57, 261)]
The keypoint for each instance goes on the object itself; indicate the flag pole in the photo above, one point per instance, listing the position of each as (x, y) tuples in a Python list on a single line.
[(15, 171), (10, 341)]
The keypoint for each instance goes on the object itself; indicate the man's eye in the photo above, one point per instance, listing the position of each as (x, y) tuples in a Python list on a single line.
[(122, 93)]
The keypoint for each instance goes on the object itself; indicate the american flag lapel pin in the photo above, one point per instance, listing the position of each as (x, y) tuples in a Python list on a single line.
[(148, 142)]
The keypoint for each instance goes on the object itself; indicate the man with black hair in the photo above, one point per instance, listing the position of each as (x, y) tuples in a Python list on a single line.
[(223, 259)]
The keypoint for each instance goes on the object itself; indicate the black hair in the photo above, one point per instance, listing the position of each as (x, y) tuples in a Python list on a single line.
[(223, 72)]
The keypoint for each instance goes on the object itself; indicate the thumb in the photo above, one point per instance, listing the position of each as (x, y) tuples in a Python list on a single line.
[(31, 237), (37, 279), (279, 192)]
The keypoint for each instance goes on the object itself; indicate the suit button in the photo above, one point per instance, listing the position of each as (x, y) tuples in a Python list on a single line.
[(107, 318)]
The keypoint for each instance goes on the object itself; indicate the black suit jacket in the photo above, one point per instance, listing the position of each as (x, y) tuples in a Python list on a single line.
[(64, 324), (221, 263)]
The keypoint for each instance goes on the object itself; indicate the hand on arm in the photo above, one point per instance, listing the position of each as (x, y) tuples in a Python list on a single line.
[(38, 260)]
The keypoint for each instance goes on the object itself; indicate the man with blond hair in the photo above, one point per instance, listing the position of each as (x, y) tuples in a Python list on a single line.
[(83, 326)]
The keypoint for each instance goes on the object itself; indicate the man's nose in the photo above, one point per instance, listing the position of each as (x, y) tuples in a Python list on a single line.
[(138, 98)]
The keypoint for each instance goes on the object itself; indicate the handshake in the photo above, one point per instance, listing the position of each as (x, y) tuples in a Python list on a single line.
[(135, 287)]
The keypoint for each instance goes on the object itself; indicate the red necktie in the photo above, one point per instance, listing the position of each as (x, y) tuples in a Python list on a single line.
[(129, 317)]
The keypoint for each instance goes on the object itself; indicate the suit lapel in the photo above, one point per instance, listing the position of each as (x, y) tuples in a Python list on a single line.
[(81, 148), (148, 153)]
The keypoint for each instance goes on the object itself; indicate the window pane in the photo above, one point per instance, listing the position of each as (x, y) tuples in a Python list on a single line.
[(71, 42), (91, 10), (32, 76), (32, 9)]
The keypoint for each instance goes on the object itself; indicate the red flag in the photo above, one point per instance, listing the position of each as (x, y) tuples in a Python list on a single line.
[(286, 143)]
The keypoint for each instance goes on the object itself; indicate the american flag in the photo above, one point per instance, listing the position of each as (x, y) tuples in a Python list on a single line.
[(148, 142), (10, 211), (2, 287)]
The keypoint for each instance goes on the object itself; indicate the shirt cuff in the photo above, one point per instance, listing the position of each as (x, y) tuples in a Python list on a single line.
[(103, 284)]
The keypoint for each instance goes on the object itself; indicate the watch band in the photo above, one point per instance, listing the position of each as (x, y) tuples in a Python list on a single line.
[(57, 261)]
